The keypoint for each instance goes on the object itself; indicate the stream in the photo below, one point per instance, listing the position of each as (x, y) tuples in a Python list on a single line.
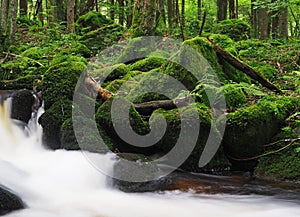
[(64, 184)]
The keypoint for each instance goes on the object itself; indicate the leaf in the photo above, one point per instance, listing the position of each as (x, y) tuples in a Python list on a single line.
[(297, 150)]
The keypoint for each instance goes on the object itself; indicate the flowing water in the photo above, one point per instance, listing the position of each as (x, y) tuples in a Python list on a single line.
[(63, 184)]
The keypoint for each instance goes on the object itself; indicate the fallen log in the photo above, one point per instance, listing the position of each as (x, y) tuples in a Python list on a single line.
[(104, 94), (148, 107), (143, 108), (238, 64)]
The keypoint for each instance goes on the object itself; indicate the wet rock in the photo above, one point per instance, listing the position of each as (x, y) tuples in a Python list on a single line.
[(22, 103), (9, 202), (136, 173)]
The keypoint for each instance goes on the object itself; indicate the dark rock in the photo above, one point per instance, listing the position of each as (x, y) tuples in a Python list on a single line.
[(9, 202), (137, 173), (22, 103)]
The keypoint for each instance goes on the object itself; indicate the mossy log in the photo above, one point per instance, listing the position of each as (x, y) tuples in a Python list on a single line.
[(143, 108), (252, 73)]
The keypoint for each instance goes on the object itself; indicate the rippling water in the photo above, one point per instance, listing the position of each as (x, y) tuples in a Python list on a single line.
[(63, 184)]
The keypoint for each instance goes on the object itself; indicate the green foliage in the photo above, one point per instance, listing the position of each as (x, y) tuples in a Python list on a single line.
[(236, 29), (266, 70), (225, 42)]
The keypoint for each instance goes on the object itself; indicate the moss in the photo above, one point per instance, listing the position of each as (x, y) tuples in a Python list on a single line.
[(225, 42), (266, 70), (53, 118), (110, 73), (62, 57), (35, 53), (282, 165), (26, 82), (235, 28), (234, 95), (249, 128), (127, 85), (21, 66), (103, 119), (60, 81), (91, 21), (153, 86), (147, 64), (102, 37), (174, 119), (88, 140)]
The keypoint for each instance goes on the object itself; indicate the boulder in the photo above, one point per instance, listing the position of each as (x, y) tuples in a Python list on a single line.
[(9, 202), (22, 105)]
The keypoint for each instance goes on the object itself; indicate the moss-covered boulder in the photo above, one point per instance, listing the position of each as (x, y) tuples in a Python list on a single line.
[(147, 64), (234, 95), (109, 73), (102, 37), (23, 82), (60, 80), (9, 202), (91, 21), (182, 120), (225, 42), (236, 29), (281, 162), (154, 86), (138, 125), (249, 128), (52, 120), (86, 137)]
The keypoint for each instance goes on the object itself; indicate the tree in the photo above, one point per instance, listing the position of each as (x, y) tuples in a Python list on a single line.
[(4, 15), (263, 23), (121, 12), (232, 11), (70, 15), (222, 10), (23, 7), (144, 14), (170, 14), (13, 20), (199, 9)]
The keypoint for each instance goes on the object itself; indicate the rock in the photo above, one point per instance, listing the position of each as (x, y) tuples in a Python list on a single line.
[(88, 139), (137, 167), (60, 80), (147, 64), (22, 105), (52, 120), (9, 202), (139, 126), (249, 128)]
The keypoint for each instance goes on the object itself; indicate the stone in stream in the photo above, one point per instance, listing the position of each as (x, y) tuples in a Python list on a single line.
[(9, 202)]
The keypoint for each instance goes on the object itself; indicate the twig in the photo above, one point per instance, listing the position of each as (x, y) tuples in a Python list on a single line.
[(292, 141), (16, 55), (4, 59), (203, 23)]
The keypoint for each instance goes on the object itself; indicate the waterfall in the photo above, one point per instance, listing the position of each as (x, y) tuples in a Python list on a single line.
[(64, 184)]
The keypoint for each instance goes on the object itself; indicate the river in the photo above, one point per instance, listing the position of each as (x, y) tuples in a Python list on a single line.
[(64, 184)]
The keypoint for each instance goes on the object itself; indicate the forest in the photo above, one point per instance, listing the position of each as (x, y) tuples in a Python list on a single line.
[(253, 47)]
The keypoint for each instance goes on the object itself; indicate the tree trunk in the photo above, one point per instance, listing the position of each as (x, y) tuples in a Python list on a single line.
[(183, 14), (222, 10), (231, 9), (199, 9), (144, 14), (263, 23), (13, 20), (254, 20), (170, 14), (237, 9), (23, 7), (129, 5), (112, 9), (283, 23), (61, 12), (161, 10), (4, 15), (121, 12), (70, 16)]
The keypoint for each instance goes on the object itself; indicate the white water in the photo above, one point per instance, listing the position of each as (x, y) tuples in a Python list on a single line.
[(64, 184)]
